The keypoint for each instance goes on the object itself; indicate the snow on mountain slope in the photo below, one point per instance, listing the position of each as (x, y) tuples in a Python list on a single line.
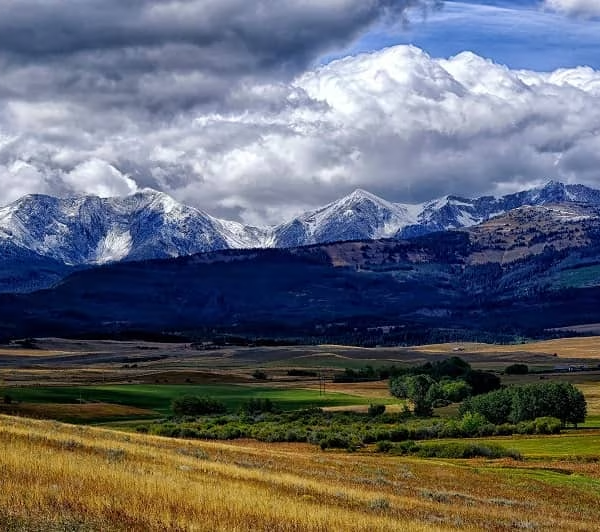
[(92, 230), (453, 212), (361, 215), (148, 224)]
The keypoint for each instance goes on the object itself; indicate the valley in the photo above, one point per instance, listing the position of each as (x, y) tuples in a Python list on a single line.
[(147, 482)]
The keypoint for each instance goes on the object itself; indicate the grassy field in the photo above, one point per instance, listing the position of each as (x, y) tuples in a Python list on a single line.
[(575, 444), (158, 397), (571, 348), (61, 477)]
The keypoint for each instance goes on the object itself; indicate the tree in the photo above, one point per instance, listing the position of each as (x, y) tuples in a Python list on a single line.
[(482, 381), (494, 406), (517, 369), (376, 410), (416, 388), (455, 390), (559, 400), (191, 405)]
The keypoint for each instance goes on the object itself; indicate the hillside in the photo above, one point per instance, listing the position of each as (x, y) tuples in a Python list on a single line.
[(90, 231), (530, 269), (61, 477)]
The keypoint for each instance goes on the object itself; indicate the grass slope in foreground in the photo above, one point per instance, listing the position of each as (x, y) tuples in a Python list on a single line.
[(62, 477)]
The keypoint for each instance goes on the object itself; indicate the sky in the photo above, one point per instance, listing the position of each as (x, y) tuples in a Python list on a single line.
[(258, 110)]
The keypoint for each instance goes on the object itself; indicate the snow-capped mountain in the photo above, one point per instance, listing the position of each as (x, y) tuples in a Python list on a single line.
[(359, 216), (453, 212), (90, 230)]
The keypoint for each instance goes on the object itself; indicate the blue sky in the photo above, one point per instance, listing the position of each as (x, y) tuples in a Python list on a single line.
[(517, 33)]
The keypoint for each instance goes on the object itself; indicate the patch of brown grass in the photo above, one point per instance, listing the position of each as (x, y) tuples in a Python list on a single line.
[(572, 348), (376, 390), (74, 412), (592, 396)]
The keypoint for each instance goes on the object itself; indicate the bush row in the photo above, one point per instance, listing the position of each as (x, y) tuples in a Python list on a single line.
[(449, 450), (341, 430)]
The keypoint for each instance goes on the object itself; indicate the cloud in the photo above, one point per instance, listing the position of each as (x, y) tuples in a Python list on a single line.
[(219, 104), (406, 126), (169, 55), (100, 179), (582, 8)]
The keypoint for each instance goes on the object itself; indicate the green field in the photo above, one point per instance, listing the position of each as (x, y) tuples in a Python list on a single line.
[(158, 397), (573, 444)]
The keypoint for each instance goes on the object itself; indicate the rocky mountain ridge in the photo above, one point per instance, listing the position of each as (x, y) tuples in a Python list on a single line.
[(147, 225)]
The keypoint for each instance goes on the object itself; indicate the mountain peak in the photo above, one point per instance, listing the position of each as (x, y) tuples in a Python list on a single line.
[(361, 194), (553, 185)]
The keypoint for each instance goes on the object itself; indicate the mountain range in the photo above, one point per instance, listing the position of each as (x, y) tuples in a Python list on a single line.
[(148, 225), (533, 268), (520, 264)]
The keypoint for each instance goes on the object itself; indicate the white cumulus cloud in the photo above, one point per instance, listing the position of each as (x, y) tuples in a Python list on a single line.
[(100, 179), (398, 122), (585, 8)]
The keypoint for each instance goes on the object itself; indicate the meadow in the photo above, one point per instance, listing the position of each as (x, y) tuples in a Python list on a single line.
[(62, 477), (155, 400), (59, 477)]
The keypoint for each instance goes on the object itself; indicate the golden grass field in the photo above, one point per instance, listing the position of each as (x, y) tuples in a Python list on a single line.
[(61, 477), (57, 477), (572, 348)]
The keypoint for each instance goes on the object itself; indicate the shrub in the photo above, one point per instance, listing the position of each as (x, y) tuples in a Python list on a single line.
[(339, 441), (384, 446), (398, 433), (464, 450), (547, 425), (191, 405), (452, 429), (505, 429), (471, 423), (517, 369), (525, 427), (376, 410), (406, 447), (259, 374), (302, 373), (257, 405)]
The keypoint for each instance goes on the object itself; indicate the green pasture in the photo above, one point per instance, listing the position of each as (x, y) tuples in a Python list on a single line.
[(549, 476), (573, 444), (158, 397)]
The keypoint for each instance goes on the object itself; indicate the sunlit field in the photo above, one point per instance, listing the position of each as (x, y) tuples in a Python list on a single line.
[(61, 477)]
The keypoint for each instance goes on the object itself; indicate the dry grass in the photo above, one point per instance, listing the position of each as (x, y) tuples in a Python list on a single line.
[(12, 352), (375, 390), (572, 348), (74, 412), (60, 477), (592, 397)]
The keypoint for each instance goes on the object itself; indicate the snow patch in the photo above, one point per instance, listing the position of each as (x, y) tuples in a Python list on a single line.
[(115, 246)]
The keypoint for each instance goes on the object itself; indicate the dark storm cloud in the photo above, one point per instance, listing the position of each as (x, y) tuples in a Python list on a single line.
[(168, 54)]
